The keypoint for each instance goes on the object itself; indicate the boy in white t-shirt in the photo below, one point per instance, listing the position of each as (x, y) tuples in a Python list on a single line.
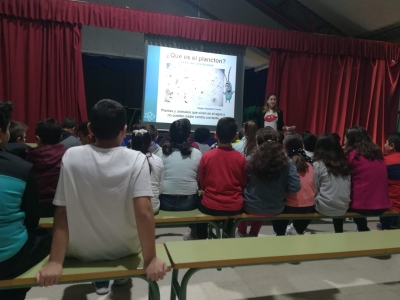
[(103, 202)]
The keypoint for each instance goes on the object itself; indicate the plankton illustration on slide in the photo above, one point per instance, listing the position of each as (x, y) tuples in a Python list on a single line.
[(228, 88)]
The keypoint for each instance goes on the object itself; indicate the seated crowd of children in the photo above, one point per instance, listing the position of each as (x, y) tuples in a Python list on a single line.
[(263, 174)]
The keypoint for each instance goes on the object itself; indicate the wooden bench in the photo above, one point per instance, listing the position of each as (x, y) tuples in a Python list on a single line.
[(249, 217), (222, 253), (79, 271), (171, 218), (181, 218)]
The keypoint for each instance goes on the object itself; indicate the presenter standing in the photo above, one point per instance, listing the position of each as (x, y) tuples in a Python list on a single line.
[(272, 116)]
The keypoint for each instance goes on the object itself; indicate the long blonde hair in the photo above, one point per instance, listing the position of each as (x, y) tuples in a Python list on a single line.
[(266, 106)]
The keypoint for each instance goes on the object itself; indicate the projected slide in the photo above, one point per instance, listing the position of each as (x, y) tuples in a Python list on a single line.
[(196, 85)]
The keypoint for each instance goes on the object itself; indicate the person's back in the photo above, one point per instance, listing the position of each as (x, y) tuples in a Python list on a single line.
[(16, 145), (141, 141), (392, 161), (154, 148), (46, 160), (332, 179), (102, 182), (68, 138), (201, 135), (333, 192), (269, 197), (22, 243), (222, 175), (369, 183), (103, 201), (306, 196)]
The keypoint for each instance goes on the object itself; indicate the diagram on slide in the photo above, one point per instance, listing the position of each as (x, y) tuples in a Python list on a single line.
[(185, 84)]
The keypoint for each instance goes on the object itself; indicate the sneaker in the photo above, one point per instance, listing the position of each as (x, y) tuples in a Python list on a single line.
[(290, 230), (102, 287), (120, 282), (379, 226), (188, 236), (241, 235)]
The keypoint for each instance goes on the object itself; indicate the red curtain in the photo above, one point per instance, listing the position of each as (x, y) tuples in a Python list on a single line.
[(327, 93), (41, 70), (86, 13)]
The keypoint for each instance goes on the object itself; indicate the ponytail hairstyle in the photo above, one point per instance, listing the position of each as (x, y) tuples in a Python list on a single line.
[(141, 140), (329, 151), (269, 159), (294, 147), (250, 132), (358, 139), (179, 132)]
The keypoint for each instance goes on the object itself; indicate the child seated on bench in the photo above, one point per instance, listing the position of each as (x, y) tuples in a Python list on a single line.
[(331, 179), (16, 145), (303, 201), (392, 161), (271, 175), (103, 196), (154, 148), (201, 135), (46, 160), (222, 176), (181, 163), (369, 180), (22, 243), (84, 135), (141, 141)]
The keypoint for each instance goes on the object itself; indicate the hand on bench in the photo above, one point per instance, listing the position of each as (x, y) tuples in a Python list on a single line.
[(156, 270)]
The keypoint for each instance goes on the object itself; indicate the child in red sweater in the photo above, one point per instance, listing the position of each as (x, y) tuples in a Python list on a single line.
[(46, 160), (392, 161), (222, 176)]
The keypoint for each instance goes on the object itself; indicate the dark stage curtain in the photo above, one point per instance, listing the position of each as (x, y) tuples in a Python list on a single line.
[(76, 12), (41, 70), (328, 93), (119, 79)]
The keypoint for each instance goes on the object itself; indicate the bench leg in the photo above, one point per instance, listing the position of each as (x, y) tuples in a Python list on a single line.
[(154, 291), (214, 225), (235, 225), (174, 285), (177, 290)]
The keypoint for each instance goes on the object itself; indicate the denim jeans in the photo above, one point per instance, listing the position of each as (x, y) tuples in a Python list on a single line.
[(178, 203)]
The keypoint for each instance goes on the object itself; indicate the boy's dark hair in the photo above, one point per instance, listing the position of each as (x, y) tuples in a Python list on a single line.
[(293, 142), (83, 128), (17, 130), (226, 130), (49, 131), (201, 134), (358, 139), (107, 119), (179, 132), (394, 139), (6, 109), (152, 130), (329, 151), (305, 133), (310, 140), (69, 123)]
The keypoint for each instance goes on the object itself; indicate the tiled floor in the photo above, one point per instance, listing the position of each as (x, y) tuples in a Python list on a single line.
[(356, 279)]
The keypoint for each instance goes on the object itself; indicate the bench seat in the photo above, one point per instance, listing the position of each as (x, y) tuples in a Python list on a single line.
[(78, 271), (203, 254)]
